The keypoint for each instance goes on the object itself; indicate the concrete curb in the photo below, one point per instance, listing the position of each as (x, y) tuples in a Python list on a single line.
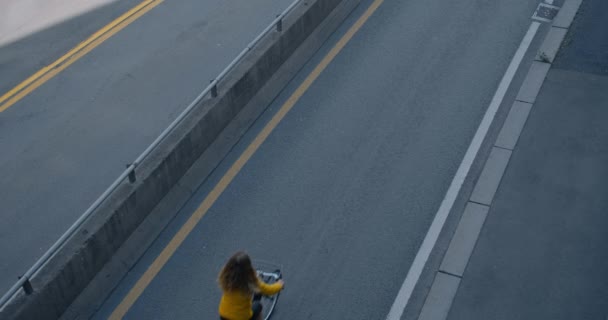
[(566, 14), (450, 274), (439, 300), (550, 46), (460, 249), (557, 33), (533, 82), (69, 272), (490, 177), (514, 124)]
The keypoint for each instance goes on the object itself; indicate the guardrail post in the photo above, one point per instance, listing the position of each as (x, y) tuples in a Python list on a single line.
[(27, 286), (280, 24), (132, 177), (214, 89)]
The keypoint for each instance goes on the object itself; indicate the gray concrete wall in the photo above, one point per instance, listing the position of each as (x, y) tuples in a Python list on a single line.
[(62, 279)]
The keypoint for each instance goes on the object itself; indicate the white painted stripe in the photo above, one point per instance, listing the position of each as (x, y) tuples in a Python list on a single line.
[(432, 234)]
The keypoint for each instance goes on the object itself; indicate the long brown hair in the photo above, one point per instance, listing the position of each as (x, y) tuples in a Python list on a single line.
[(238, 274)]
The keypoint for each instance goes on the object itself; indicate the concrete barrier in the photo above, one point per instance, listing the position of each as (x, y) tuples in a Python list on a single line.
[(64, 277)]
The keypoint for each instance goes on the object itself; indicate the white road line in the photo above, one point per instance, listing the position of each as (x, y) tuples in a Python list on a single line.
[(430, 239)]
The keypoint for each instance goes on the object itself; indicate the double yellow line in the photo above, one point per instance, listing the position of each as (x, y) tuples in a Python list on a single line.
[(43, 75)]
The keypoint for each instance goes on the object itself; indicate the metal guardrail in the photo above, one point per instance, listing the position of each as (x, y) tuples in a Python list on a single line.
[(24, 281)]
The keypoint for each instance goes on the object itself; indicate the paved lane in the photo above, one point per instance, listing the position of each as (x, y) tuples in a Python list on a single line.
[(63, 144), (344, 189)]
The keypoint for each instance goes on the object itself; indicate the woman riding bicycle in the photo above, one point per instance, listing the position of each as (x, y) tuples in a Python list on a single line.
[(239, 282)]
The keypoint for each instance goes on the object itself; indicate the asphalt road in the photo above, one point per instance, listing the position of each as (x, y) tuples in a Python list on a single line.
[(33, 33), (543, 252), (343, 191), (64, 143)]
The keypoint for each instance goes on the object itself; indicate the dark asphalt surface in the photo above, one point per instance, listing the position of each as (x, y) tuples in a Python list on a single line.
[(24, 57), (343, 191), (63, 145), (585, 48), (543, 252)]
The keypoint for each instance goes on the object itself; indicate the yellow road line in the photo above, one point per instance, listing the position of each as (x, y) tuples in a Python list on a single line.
[(185, 230), (43, 75)]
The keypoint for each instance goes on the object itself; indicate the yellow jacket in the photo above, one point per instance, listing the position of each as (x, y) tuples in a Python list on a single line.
[(236, 305)]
